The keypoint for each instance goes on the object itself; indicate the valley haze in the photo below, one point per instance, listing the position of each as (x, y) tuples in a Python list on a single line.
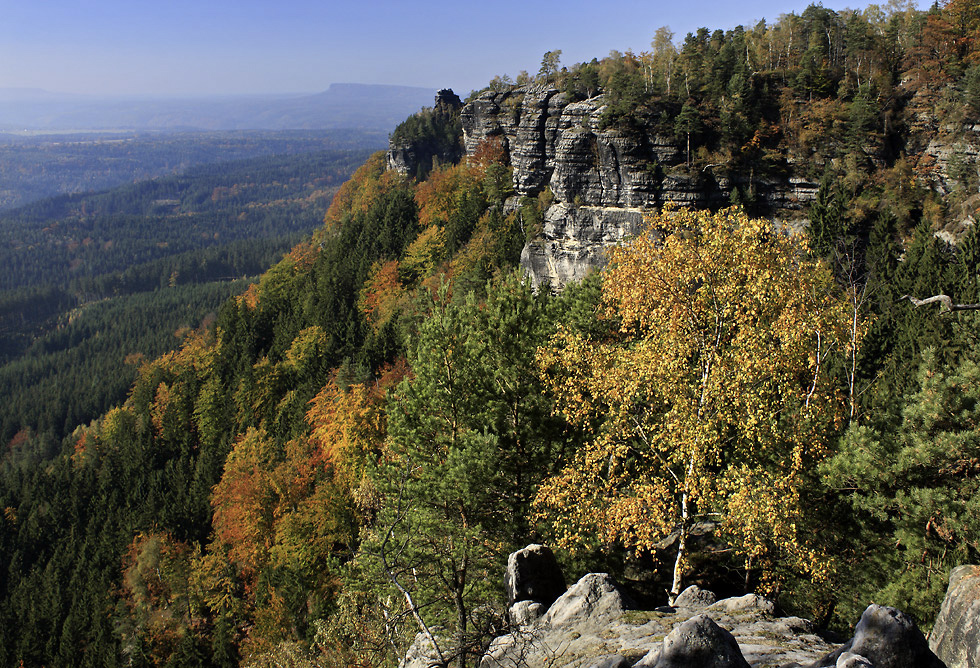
[(344, 105)]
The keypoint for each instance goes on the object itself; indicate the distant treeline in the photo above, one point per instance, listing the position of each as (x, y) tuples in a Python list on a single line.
[(36, 167), (89, 280)]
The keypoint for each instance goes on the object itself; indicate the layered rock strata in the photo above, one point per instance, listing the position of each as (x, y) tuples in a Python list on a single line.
[(603, 178)]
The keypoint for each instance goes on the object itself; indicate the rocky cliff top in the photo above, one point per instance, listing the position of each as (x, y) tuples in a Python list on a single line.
[(593, 624), (602, 176)]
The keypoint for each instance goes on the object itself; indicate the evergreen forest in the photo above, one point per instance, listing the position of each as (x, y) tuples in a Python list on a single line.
[(94, 283), (344, 452)]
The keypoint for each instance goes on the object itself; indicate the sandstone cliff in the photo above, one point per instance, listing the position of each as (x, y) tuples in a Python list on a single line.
[(602, 177)]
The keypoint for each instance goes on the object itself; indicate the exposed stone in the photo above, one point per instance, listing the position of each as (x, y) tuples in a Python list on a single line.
[(955, 636), (447, 101), (553, 143), (887, 638), (524, 613), (595, 598), (752, 602), (694, 597), (575, 240), (531, 149), (697, 643), (763, 640), (408, 157), (608, 661), (851, 660), (421, 653), (499, 651), (533, 574)]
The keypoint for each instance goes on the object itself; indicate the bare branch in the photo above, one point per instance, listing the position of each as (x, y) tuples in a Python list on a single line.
[(946, 303)]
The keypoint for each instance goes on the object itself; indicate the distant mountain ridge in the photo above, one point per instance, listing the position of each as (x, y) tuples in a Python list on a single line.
[(348, 105)]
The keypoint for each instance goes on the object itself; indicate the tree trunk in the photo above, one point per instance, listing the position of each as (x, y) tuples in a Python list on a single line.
[(459, 586), (675, 588)]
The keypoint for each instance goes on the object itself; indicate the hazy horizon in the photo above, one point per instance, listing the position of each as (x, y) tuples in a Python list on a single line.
[(8, 93), (189, 48)]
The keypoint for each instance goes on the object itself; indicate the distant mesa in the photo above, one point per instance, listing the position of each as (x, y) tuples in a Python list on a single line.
[(342, 106)]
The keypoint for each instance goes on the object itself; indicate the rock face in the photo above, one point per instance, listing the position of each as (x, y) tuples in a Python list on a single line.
[(884, 638), (955, 637), (575, 240), (533, 574), (694, 597), (602, 177), (592, 626), (697, 643), (411, 155), (593, 598)]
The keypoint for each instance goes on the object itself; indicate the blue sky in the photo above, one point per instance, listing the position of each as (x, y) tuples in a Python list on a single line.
[(195, 47)]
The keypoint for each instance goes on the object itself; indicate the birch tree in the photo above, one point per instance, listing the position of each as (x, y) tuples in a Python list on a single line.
[(712, 401)]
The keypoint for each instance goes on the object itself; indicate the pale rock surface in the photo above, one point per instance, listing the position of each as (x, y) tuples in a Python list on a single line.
[(552, 143), (697, 643), (593, 623), (421, 653), (593, 599), (955, 636), (695, 598), (524, 613)]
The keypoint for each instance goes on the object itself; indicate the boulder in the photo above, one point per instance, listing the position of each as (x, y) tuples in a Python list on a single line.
[(955, 637), (852, 660), (524, 613), (695, 598), (886, 638), (533, 574), (592, 600), (697, 643), (421, 653), (747, 603)]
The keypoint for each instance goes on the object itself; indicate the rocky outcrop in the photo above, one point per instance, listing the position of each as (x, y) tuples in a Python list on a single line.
[(593, 599), (593, 624), (883, 638), (697, 643), (533, 575), (427, 138), (575, 240), (955, 636), (602, 177)]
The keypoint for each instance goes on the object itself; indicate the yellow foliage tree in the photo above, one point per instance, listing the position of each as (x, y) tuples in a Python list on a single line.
[(712, 399)]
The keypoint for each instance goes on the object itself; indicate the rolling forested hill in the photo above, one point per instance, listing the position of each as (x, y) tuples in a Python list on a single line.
[(93, 283), (42, 165)]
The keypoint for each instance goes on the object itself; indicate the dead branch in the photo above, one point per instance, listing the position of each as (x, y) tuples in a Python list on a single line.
[(946, 304)]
